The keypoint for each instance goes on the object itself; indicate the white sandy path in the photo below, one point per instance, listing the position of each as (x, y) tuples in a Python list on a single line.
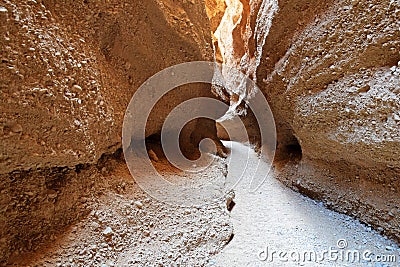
[(283, 220)]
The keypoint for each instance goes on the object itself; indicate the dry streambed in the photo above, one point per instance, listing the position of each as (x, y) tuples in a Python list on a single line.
[(128, 228), (277, 219)]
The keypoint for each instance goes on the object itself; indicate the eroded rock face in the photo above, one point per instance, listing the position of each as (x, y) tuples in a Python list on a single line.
[(215, 11), (355, 119), (331, 75), (330, 72), (347, 40), (336, 87), (69, 70)]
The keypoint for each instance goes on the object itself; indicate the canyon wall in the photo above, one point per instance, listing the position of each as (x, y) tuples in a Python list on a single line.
[(335, 91), (69, 69), (330, 71)]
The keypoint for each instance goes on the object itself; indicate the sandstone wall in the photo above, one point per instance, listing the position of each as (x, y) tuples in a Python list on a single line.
[(331, 74), (330, 71), (69, 69)]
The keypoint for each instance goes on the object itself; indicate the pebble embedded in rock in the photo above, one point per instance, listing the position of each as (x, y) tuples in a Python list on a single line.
[(16, 128), (364, 89), (108, 231), (76, 88), (138, 204)]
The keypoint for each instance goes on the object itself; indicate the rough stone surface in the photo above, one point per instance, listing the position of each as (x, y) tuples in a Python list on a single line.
[(68, 70), (331, 75), (330, 71), (337, 51), (124, 226)]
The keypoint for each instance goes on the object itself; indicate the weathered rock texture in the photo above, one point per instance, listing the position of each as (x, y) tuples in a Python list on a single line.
[(69, 69), (337, 90), (330, 72), (238, 41)]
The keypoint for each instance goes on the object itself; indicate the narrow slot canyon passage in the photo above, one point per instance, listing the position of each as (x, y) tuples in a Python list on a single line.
[(199, 133), (275, 219)]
